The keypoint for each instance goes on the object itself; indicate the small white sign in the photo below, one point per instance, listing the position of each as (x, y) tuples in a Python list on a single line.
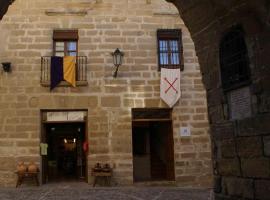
[(75, 116), (65, 116), (185, 132), (56, 116)]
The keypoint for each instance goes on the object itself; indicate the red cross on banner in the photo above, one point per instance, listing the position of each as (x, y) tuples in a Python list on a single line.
[(170, 86)]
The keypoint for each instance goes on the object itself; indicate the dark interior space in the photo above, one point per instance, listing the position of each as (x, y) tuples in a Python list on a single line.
[(66, 158), (153, 151)]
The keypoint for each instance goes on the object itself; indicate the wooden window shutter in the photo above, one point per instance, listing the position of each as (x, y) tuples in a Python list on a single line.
[(65, 35)]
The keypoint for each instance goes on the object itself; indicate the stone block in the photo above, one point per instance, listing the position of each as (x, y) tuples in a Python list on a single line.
[(257, 125), (262, 189), (224, 130), (115, 89), (256, 167), (81, 102), (110, 101), (248, 147), (7, 164), (152, 102), (227, 148), (229, 167), (266, 145), (238, 187), (215, 97), (92, 101), (27, 143)]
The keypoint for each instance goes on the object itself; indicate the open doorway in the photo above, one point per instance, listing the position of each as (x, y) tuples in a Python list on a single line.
[(64, 136), (66, 159), (153, 157)]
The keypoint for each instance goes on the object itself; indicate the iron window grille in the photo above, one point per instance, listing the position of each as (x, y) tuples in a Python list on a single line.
[(170, 49), (81, 70), (235, 71)]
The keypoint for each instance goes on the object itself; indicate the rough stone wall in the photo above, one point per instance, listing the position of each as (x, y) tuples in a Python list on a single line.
[(26, 35), (240, 147)]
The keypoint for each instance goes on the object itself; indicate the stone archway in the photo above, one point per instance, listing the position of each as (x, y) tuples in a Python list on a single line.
[(241, 148), (236, 173)]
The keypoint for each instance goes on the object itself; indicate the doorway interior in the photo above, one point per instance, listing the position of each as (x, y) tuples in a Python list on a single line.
[(153, 149), (64, 146), (66, 160)]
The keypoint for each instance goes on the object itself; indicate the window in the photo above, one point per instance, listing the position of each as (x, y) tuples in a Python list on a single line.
[(234, 62), (65, 42), (170, 49)]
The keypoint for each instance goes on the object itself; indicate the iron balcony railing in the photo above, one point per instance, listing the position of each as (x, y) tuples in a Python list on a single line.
[(81, 70)]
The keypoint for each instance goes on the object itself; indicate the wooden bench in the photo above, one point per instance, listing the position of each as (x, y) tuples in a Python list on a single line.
[(21, 176), (103, 176)]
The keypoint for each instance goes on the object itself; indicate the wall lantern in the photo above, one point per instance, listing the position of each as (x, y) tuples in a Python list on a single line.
[(6, 66), (117, 60)]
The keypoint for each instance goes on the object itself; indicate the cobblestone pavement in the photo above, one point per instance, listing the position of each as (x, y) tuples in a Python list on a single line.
[(81, 191)]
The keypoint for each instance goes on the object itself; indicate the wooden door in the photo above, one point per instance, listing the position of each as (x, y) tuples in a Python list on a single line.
[(170, 151)]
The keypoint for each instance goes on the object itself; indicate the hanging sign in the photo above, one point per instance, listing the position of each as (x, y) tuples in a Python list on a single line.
[(170, 86)]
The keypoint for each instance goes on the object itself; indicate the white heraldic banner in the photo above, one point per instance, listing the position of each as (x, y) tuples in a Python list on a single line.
[(170, 86)]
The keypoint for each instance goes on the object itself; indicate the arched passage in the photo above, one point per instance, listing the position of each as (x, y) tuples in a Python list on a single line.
[(240, 146)]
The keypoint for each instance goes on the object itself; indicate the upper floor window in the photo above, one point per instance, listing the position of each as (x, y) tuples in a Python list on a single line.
[(235, 71), (170, 48), (65, 42)]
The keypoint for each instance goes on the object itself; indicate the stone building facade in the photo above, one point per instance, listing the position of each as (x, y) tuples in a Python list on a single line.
[(26, 33)]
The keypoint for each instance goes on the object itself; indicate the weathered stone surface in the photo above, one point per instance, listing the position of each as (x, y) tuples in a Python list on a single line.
[(266, 145), (248, 147), (7, 163), (223, 130), (215, 97), (256, 167), (110, 101), (262, 189), (238, 187), (228, 148), (229, 167), (258, 125), (216, 114)]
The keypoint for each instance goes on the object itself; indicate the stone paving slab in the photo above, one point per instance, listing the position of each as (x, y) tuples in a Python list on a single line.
[(86, 192)]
